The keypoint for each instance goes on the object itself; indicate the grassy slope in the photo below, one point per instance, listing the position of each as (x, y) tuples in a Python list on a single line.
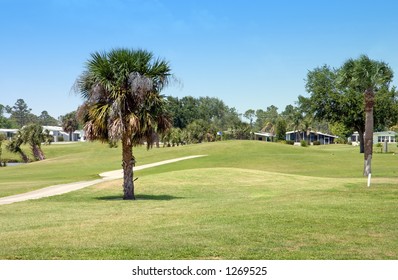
[(245, 200)]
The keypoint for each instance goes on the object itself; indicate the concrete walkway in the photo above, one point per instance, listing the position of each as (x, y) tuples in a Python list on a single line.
[(65, 188)]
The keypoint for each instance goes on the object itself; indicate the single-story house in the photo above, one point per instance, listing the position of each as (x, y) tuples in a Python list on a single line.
[(55, 131), (323, 138), (9, 133), (385, 136), (378, 137), (264, 136)]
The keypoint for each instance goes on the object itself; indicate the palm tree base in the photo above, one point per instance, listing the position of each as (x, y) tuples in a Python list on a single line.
[(128, 198)]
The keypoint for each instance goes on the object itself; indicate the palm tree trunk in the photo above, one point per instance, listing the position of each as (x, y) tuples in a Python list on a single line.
[(361, 141), (128, 162), (23, 156), (368, 143), (37, 152)]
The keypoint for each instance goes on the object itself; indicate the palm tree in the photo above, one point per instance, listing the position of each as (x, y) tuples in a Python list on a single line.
[(70, 124), (14, 146), (121, 89), (2, 138), (33, 135), (297, 119), (366, 76)]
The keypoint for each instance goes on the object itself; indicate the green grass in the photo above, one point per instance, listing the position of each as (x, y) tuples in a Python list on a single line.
[(70, 163), (245, 200)]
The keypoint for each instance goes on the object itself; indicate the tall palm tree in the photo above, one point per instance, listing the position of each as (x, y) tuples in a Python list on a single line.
[(122, 89), (366, 76)]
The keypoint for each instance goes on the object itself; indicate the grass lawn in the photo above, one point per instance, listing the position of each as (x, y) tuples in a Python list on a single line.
[(245, 200)]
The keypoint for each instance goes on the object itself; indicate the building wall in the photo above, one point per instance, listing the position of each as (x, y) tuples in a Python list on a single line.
[(322, 138), (378, 137)]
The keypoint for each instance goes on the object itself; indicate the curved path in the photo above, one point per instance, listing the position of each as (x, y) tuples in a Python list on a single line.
[(65, 188)]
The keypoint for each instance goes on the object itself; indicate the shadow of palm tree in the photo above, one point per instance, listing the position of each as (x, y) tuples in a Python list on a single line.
[(141, 197)]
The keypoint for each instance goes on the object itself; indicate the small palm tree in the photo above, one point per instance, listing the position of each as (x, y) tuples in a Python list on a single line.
[(366, 76), (70, 124), (122, 89), (2, 138), (33, 136), (14, 146)]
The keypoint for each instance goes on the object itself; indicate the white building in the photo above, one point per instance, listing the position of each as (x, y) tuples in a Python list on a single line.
[(55, 131), (9, 133), (378, 137), (60, 135)]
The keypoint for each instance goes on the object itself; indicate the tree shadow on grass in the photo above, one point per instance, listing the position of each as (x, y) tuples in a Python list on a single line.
[(162, 197)]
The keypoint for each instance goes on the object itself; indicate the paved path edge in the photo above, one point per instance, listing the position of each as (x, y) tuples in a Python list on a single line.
[(65, 188)]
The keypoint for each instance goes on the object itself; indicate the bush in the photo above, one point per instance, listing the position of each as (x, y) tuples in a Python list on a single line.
[(60, 138), (340, 140), (316, 143), (303, 143), (290, 142)]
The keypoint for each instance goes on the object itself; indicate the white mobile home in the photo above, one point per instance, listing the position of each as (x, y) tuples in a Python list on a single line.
[(9, 133)]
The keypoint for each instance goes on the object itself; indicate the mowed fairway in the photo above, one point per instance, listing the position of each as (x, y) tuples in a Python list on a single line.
[(244, 200)]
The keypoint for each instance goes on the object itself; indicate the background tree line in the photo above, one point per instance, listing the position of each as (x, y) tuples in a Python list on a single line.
[(30, 127), (329, 109)]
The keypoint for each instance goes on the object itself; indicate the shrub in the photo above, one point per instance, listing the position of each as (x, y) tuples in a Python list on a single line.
[(290, 142), (316, 143), (303, 143)]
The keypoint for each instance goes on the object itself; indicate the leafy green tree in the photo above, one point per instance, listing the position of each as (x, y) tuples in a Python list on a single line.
[(385, 109), (122, 92), (250, 114), (271, 115), (183, 111), (21, 113), (4, 122), (46, 119), (281, 128), (196, 131), (340, 130)]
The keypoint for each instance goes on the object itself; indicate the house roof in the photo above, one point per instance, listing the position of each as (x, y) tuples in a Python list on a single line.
[(8, 130), (52, 128), (380, 133), (315, 132), (266, 134), (385, 133)]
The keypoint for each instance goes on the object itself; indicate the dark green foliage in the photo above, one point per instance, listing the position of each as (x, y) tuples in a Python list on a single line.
[(45, 119), (336, 99), (70, 123), (281, 128)]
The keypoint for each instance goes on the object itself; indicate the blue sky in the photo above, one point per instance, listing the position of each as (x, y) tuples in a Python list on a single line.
[(249, 53)]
